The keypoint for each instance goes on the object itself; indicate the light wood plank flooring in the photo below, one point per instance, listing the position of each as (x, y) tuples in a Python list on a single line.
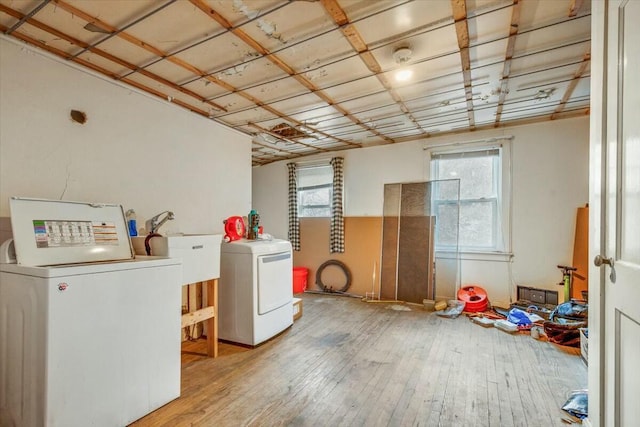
[(352, 363)]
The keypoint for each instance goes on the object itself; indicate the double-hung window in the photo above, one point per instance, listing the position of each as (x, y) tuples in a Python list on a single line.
[(483, 206), (315, 191)]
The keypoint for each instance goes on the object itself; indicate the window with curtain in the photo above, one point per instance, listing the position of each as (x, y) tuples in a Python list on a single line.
[(483, 209), (315, 191)]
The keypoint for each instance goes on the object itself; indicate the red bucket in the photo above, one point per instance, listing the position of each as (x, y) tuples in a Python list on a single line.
[(300, 279)]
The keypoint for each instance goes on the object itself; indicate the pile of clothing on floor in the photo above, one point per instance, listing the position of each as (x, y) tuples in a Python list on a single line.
[(563, 326)]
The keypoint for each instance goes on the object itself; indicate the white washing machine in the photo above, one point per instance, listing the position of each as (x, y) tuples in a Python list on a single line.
[(255, 294), (89, 336)]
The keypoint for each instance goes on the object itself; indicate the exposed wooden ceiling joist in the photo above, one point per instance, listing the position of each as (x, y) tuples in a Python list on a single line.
[(146, 46), (586, 59), (459, 8), (104, 71), (324, 67), (280, 137), (22, 20), (354, 38), (109, 57), (200, 4), (506, 70)]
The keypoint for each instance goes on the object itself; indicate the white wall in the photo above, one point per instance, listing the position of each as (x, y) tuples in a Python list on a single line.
[(134, 150), (550, 181)]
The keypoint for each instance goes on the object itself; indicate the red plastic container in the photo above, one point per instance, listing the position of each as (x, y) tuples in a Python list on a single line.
[(300, 279)]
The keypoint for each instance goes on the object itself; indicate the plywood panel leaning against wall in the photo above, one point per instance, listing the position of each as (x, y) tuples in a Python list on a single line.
[(415, 246), (361, 255), (581, 254), (390, 238), (408, 243)]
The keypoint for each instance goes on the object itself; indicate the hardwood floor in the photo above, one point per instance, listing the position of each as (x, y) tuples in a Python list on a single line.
[(352, 363)]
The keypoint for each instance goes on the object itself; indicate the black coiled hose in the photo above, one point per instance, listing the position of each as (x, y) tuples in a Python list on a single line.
[(345, 270)]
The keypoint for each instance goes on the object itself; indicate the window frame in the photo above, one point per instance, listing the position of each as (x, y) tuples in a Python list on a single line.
[(300, 189), (501, 201)]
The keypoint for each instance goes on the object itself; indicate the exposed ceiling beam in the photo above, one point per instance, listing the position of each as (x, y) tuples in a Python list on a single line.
[(586, 59), (280, 137), (434, 78), (289, 153), (107, 56), (506, 69), (300, 124), (101, 70), (521, 31), (349, 110), (509, 123), (360, 46), (25, 17), (459, 8), (131, 39), (131, 24), (154, 50), (290, 43), (254, 44)]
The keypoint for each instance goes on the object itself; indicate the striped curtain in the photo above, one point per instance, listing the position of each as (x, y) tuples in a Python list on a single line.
[(336, 244), (294, 222)]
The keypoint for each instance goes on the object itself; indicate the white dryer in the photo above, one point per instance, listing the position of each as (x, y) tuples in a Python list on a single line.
[(255, 294)]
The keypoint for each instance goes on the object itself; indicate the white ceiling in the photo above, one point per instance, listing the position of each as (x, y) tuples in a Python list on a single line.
[(309, 76)]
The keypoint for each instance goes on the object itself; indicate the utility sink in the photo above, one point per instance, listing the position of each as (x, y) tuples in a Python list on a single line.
[(200, 253)]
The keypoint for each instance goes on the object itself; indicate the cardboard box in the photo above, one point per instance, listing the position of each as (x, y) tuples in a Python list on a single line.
[(297, 308), (584, 344)]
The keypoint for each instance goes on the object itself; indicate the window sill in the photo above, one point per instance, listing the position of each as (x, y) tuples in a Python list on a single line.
[(476, 256)]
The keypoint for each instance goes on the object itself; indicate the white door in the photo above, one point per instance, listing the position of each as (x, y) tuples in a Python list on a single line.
[(614, 377)]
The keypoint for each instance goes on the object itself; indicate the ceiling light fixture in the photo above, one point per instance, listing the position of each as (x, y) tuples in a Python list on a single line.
[(401, 56), (403, 75)]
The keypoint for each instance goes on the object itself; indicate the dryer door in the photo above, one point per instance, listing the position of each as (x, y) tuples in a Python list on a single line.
[(275, 277)]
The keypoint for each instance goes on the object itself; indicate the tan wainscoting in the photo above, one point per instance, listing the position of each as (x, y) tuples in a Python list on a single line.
[(362, 252)]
